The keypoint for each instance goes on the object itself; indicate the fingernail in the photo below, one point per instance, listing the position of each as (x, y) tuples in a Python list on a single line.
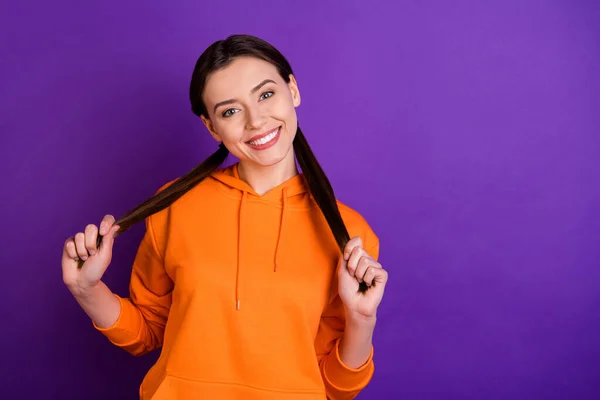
[(346, 255), (84, 258), (93, 253)]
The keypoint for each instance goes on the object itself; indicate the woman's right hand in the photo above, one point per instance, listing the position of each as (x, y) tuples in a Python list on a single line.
[(95, 260)]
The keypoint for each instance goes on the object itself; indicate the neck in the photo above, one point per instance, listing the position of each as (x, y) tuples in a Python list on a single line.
[(264, 178)]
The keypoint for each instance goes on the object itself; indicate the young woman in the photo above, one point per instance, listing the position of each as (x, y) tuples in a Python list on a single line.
[(255, 282)]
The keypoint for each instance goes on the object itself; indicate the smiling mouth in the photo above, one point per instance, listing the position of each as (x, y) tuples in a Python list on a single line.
[(264, 139)]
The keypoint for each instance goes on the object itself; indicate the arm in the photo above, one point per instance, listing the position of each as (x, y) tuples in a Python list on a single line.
[(357, 342), (100, 304), (137, 323), (341, 347), (344, 345)]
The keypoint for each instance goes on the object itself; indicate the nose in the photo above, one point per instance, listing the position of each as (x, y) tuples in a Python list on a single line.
[(255, 119)]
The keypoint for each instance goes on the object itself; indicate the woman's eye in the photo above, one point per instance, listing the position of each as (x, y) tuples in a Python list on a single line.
[(266, 95), (230, 112)]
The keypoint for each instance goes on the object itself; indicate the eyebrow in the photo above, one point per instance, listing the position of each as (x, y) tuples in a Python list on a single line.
[(254, 90)]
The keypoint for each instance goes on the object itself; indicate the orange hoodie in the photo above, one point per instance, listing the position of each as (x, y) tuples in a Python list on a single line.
[(240, 291)]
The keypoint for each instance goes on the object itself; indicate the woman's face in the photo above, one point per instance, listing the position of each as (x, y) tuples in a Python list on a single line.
[(252, 110)]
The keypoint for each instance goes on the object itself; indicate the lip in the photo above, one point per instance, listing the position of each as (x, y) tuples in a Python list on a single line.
[(262, 135), (267, 145)]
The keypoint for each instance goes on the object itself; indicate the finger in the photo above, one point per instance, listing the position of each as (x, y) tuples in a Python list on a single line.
[(69, 260), (91, 234), (355, 256), (109, 238), (80, 246), (107, 222), (380, 276), (371, 273), (352, 243), (361, 268), (69, 251)]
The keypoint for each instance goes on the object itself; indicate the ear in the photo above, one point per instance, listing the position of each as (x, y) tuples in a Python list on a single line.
[(209, 125), (293, 85)]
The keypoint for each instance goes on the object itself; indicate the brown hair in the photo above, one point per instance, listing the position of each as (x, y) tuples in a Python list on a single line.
[(217, 56)]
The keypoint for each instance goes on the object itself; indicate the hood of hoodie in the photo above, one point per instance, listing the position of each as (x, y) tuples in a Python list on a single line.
[(292, 193)]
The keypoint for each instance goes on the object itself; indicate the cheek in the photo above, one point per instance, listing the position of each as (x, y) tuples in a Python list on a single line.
[(285, 112), (231, 130)]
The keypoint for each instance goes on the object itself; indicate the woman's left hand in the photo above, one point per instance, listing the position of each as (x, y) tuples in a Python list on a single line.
[(357, 267)]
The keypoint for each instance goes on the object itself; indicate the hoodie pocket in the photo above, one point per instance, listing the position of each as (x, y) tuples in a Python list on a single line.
[(172, 387)]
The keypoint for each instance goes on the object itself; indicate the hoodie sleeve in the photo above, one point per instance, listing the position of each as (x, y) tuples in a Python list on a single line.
[(141, 323), (341, 381)]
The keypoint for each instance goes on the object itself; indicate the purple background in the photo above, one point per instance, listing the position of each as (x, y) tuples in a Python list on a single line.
[(466, 134)]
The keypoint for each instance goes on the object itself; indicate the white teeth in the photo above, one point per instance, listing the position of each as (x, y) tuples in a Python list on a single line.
[(266, 139)]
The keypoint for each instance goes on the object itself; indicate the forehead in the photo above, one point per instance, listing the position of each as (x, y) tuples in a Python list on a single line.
[(238, 78)]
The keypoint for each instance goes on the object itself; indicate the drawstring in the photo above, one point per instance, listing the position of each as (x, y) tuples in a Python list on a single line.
[(285, 202), (239, 256), (231, 179), (239, 253)]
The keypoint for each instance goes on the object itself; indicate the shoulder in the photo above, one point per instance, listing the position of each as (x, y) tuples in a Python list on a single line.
[(166, 185), (158, 221), (190, 190), (357, 225)]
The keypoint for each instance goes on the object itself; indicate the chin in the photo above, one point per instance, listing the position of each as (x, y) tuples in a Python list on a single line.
[(270, 161), (274, 158)]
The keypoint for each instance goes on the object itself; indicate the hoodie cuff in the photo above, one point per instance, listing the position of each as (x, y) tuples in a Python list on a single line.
[(126, 329), (345, 378)]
